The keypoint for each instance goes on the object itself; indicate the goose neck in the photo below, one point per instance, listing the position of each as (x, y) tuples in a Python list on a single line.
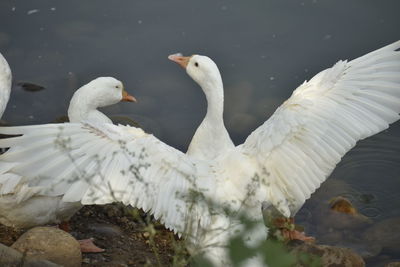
[(215, 100)]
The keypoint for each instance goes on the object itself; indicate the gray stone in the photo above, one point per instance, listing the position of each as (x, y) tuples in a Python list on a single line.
[(11, 257), (40, 263), (49, 243)]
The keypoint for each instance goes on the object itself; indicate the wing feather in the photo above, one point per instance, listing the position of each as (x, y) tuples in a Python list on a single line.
[(307, 136), (98, 164)]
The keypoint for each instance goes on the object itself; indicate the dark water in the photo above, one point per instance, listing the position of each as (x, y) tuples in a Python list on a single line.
[(264, 50)]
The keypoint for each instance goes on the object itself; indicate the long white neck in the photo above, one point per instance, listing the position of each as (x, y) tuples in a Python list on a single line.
[(211, 138), (82, 108), (5, 84)]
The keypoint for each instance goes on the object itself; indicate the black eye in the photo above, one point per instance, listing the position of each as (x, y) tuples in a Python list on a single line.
[(117, 86), (196, 64)]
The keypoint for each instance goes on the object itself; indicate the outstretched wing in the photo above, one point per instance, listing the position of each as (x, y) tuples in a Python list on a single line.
[(306, 137), (98, 164)]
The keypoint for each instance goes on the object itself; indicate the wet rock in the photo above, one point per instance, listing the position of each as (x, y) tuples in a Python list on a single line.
[(339, 223), (342, 205), (349, 239), (330, 256), (340, 214), (48, 243), (11, 257), (386, 233)]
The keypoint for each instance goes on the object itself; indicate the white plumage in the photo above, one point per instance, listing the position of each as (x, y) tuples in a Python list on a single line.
[(25, 206), (282, 162), (5, 84)]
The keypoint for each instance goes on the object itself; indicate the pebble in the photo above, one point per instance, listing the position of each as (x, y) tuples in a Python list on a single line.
[(49, 243), (146, 234)]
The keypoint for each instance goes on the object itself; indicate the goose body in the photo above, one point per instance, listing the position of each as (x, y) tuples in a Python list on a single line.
[(22, 206), (204, 193), (5, 84)]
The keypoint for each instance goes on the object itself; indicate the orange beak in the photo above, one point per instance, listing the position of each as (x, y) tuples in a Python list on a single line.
[(127, 97), (181, 60)]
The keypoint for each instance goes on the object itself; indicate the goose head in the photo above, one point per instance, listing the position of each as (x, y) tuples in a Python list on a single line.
[(202, 70), (104, 91), (100, 92)]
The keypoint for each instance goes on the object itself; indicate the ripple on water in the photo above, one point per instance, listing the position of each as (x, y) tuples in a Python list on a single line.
[(372, 170), (371, 212), (369, 177)]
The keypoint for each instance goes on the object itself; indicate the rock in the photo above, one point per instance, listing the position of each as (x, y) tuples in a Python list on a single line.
[(11, 257), (386, 233), (39, 263), (343, 205), (393, 264), (338, 223), (340, 214), (330, 256), (48, 243)]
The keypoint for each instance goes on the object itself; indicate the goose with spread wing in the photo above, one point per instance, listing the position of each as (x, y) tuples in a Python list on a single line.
[(22, 206), (204, 193)]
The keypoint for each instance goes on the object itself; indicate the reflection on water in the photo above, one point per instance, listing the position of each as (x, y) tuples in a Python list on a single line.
[(264, 49), (30, 87)]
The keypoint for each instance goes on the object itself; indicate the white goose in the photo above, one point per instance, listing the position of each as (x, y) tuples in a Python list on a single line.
[(5, 84), (282, 162), (24, 207)]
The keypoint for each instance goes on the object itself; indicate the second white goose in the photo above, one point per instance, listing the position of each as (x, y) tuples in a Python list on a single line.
[(22, 206)]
